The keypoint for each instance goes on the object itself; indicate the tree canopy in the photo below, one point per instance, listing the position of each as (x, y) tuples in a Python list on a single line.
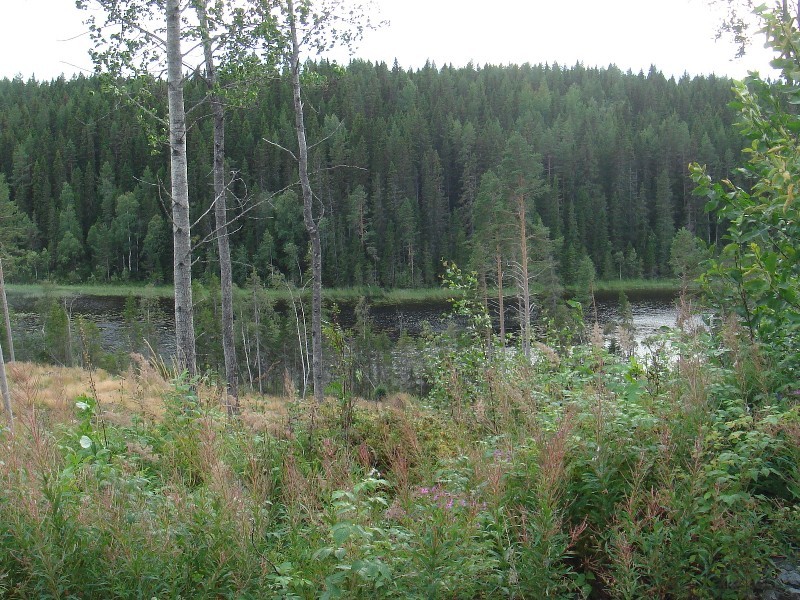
[(400, 158)]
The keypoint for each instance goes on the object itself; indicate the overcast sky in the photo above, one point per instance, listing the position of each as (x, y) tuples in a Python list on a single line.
[(46, 38)]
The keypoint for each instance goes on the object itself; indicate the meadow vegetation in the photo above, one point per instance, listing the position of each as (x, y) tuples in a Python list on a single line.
[(584, 473)]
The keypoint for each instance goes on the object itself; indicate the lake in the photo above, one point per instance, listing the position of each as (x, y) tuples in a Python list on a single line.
[(650, 313)]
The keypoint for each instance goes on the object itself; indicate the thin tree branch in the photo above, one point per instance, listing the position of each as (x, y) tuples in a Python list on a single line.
[(277, 145)]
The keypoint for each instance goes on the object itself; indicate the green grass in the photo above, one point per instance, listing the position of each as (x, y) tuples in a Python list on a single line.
[(633, 287), (581, 474), (377, 296), (36, 290)]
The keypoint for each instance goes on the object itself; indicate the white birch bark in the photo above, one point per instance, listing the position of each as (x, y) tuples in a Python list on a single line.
[(221, 216), (181, 230), (6, 315), (308, 213), (4, 391)]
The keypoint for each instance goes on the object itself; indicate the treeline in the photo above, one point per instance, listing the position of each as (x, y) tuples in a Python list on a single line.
[(404, 167)]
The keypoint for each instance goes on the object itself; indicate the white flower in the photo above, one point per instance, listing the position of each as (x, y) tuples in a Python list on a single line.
[(85, 441)]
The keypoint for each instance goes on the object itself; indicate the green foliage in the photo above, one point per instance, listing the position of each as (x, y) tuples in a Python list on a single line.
[(586, 131), (687, 256), (584, 281), (756, 273), (585, 480), (57, 333), (457, 360), (15, 227)]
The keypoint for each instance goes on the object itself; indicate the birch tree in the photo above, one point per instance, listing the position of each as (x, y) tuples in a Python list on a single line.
[(220, 201), (15, 227), (6, 314), (740, 23), (16, 230), (4, 391), (143, 39), (312, 26)]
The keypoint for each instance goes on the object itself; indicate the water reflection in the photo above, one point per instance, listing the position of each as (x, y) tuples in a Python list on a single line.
[(649, 315)]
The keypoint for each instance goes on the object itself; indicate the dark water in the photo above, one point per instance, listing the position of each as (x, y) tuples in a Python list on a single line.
[(104, 311), (650, 313)]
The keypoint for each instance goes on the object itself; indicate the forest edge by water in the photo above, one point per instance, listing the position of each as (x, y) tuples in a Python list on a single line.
[(375, 295)]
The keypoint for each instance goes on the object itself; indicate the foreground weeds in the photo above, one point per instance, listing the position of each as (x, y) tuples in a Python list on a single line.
[(579, 475)]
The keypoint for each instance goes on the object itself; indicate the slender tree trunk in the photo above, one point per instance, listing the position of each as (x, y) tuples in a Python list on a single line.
[(524, 281), (500, 298), (181, 234), (308, 215), (3, 380), (68, 349), (6, 316), (246, 348), (4, 391), (256, 315), (221, 218)]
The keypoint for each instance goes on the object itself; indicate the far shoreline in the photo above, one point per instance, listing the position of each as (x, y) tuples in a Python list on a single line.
[(608, 289)]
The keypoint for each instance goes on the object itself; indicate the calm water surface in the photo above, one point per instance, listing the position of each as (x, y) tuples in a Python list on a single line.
[(650, 313)]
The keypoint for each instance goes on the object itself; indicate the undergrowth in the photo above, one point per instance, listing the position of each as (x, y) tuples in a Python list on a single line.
[(581, 474)]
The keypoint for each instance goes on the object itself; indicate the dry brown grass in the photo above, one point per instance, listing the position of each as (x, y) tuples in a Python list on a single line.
[(140, 391)]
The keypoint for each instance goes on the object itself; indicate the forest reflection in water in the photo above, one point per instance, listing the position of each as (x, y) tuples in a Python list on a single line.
[(396, 329)]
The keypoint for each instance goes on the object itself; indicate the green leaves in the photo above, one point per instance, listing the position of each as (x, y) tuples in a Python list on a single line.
[(757, 273)]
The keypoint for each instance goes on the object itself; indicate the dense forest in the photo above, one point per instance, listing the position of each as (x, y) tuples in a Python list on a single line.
[(409, 167), (565, 461)]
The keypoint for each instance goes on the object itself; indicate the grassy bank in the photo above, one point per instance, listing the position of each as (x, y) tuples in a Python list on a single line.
[(37, 290), (375, 295), (579, 475), (636, 287)]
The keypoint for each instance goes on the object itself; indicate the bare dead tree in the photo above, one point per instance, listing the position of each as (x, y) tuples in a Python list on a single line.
[(6, 315)]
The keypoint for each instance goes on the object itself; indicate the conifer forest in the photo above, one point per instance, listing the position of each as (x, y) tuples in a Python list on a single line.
[(523, 437), (403, 167)]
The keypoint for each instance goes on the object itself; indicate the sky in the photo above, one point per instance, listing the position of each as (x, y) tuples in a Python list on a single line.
[(46, 38)]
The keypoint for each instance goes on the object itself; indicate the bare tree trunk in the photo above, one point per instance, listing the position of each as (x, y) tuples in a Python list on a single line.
[(308, 215), (500, 304), (4, 391), (181, 234), (221, 219), (524, 279), (256, 314), (6, 316), (68, 342), (3, 380)]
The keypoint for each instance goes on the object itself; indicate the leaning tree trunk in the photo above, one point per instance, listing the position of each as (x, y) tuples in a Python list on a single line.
[(308, 215), (3, 380), (6, 316), (4, 391), (221, 219), (181, 231)]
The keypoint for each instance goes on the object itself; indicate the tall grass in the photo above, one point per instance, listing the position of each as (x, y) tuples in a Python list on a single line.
[(375, 295), (121, 290), (578, 475)]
